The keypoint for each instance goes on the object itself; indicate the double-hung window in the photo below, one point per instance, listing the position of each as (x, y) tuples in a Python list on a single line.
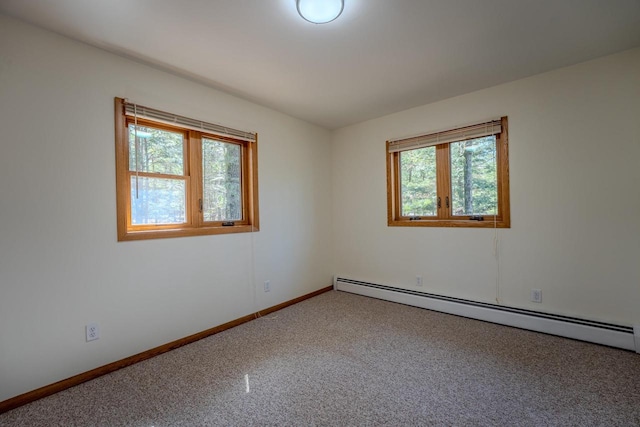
[(454, 178), (176, 176)]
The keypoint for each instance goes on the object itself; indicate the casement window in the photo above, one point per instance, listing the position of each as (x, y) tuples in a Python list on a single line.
[(454, 178), (177, 176)]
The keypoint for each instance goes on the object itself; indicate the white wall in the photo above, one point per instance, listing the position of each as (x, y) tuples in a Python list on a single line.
[(60, 263), (575, 197)]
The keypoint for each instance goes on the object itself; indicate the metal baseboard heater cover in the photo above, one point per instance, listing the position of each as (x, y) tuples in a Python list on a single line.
[(565, 326)]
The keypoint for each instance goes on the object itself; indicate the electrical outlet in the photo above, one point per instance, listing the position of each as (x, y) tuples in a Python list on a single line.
[(418, 280), (93, 331), (267, 285), (536, 295)]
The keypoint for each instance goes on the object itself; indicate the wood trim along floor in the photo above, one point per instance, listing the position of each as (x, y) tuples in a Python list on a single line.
[(50, 389)]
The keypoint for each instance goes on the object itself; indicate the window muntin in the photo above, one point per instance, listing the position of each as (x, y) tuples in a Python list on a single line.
[(470, 176), (157, 174), (175, 181)]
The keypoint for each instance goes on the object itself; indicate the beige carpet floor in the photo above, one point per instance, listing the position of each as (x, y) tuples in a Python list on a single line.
[(346, 360)]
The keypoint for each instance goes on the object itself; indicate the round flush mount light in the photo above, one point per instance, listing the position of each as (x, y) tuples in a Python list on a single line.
[(320, 11)]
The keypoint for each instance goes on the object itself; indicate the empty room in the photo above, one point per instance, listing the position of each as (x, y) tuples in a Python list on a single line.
[(319, 212)]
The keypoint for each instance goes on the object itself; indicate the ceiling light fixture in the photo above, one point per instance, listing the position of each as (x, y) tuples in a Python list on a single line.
[(319, 11)]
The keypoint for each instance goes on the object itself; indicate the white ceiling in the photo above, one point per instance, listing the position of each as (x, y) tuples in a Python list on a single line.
[(379, 57)]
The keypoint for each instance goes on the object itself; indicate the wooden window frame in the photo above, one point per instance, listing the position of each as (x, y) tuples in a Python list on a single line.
[(444, 216), (194, 224)]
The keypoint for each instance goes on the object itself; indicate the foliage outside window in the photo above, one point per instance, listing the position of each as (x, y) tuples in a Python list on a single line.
[(462, 181), (175, 181)]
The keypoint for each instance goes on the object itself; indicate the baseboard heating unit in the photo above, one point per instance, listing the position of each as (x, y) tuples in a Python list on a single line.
[(564, 326)]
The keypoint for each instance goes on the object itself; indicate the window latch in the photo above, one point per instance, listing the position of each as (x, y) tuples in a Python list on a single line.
[(415, 218), (477, 218), (200, 204), (439, 202), (447, 201), (228, 224)]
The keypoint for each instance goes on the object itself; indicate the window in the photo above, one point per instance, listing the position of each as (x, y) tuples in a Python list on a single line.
[(454, 178), (181, 177)]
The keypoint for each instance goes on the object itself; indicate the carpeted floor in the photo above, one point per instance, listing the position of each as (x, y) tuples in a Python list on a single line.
[(347, 360)]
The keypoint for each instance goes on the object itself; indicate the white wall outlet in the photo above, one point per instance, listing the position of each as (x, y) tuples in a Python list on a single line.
[(418, 280), (536, 295), (267, 285), (93, 331)]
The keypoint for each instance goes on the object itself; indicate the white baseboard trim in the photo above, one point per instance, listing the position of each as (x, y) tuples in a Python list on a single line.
[(613, 335)]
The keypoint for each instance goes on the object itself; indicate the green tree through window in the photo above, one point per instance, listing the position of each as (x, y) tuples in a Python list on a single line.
[(453, 178), (176, 178)]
